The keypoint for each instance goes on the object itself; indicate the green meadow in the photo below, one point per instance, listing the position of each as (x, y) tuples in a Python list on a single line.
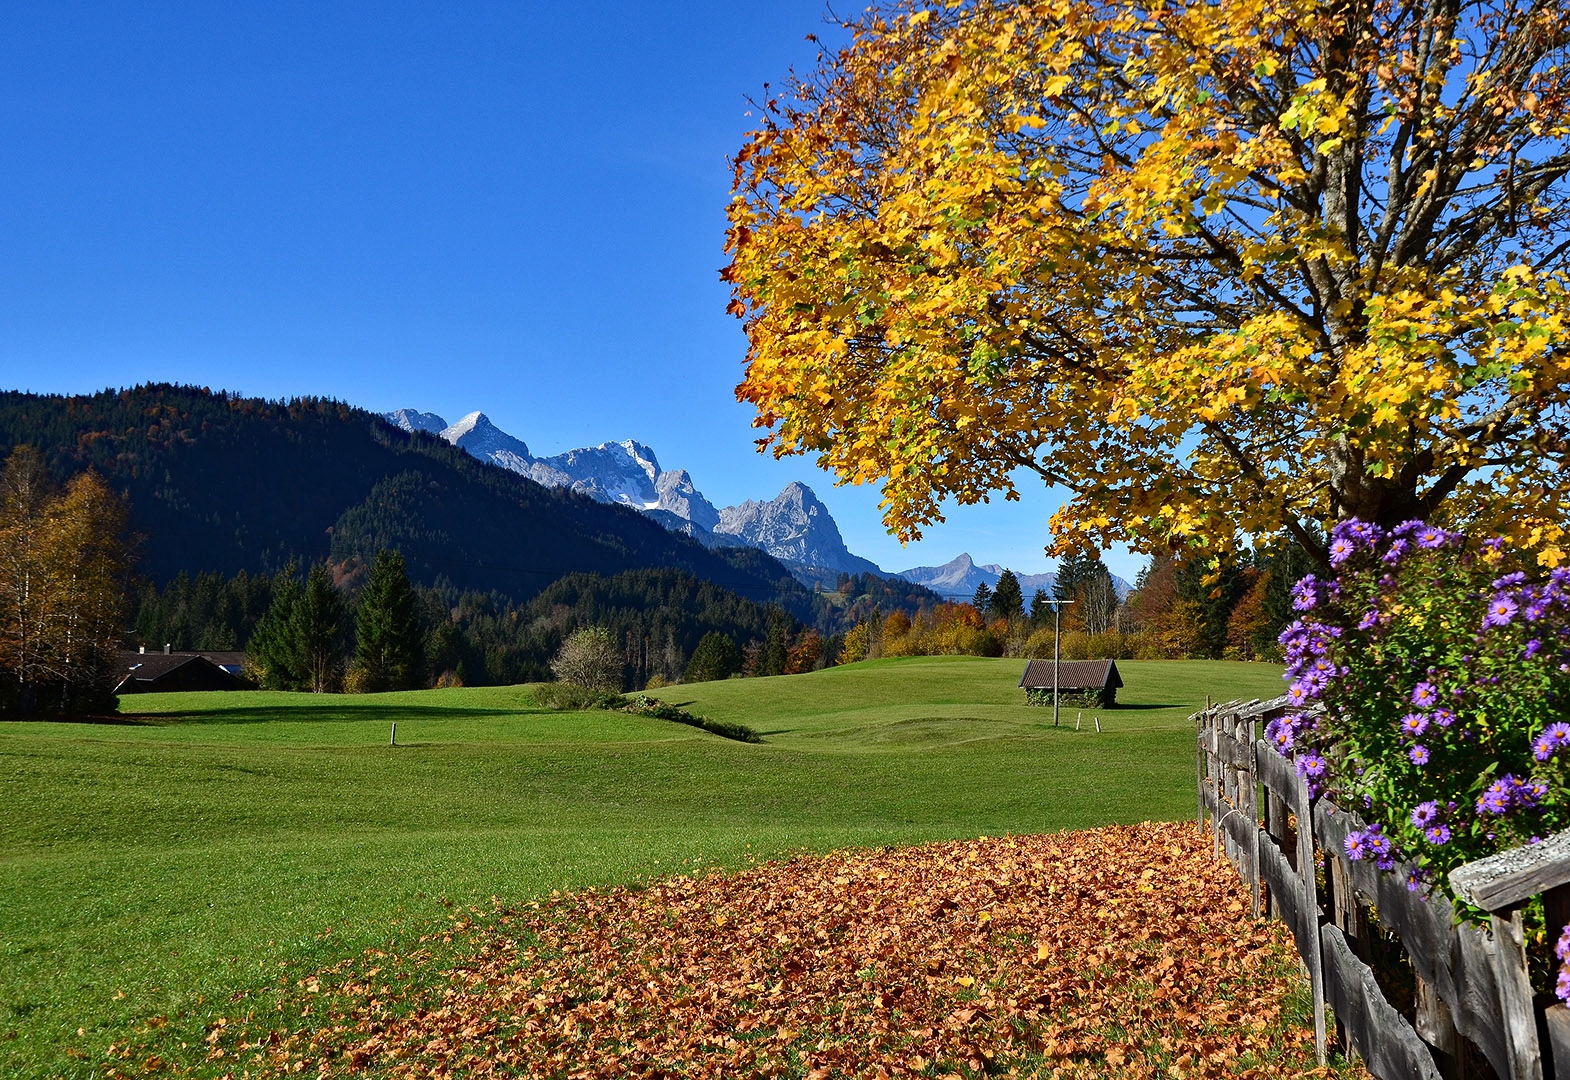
[(212, 843)]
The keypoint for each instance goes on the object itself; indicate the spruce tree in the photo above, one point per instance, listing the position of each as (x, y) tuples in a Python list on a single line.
[(272, 655), (776, 647), (716, 657), (1008, 600), (389, 644), (982, 598), (317, 630)]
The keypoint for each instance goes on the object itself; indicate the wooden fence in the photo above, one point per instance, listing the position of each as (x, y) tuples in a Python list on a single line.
[(1450, 1000)]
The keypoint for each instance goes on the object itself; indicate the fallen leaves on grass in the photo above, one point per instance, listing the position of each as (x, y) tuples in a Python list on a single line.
[(1124, 951)]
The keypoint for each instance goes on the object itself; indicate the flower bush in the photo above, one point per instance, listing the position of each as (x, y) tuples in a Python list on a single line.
[(1443, 669)]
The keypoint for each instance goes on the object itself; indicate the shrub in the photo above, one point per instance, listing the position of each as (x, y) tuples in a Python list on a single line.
[(663, 710), (1444, 673), (574, 698), (590, 658)]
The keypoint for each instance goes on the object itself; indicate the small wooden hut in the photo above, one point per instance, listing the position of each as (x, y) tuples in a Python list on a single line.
[(1076, 678)]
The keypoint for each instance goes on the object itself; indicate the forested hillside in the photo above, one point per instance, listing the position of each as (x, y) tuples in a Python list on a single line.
[(222, 483)]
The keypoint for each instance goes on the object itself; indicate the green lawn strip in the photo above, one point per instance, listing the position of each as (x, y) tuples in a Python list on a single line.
[(160, 867)]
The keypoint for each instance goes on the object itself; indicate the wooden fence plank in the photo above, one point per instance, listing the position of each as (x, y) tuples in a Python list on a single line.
[(1504, 880), (1232, 751), (1507, 951), (1459, 962), (1294, 905), (1557, 1020), (1278, 774), (1384, 1038)]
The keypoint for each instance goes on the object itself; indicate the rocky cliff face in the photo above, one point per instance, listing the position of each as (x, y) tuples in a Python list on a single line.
[(794, 527), (484, 440)]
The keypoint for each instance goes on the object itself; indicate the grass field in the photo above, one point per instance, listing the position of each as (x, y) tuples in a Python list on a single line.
[(154, 867)]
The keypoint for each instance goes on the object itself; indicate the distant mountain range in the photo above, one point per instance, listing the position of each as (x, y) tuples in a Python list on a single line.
[(222, 483), (794, 527)]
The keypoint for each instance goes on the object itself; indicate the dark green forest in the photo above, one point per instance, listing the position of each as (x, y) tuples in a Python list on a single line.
[(657, 616), (221, 483)]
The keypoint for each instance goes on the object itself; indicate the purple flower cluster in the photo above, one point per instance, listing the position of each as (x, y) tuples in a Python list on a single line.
[(1554, 738), (1511, 792), (1372, 843), (1422, 664), (1562, 950), (1515, 597), (1284, 731)]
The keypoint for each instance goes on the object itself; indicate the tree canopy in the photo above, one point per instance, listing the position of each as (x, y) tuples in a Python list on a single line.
[(62, 588), (1219, 269)]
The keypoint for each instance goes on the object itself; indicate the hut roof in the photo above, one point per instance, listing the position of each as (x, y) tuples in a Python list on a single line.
[(1072, 675)]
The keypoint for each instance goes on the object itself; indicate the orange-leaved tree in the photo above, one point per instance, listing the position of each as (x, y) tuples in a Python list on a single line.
[(1219, 268)]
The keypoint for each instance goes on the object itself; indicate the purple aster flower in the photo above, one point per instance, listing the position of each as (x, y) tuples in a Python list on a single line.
[(1562, 990), (1554, 738), (1437, 834), (1298, 693), (1341, 550), (1501, 609), (1369, 620), (1356, 846), (1425, 812), (1431, 537), (1414, 724), (1508, 580), (1311, 766), (1533, 647), (1425, 694), (1376, 842), (1496, 800), (1443, 717), (1562, 947), (1305, 594), (1418, 754)]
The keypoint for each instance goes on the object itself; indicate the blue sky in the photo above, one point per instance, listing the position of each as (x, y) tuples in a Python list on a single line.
[(517, 208)]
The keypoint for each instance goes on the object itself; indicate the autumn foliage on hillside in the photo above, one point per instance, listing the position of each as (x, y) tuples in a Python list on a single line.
[(1123, 951)]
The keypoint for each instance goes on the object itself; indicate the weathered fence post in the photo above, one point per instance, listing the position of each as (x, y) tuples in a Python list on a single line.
[(1253, 815)]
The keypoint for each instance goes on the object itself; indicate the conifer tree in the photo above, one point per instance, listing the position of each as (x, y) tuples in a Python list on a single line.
[(1008, 600), (317, 630), (716, 657), (273, 658), (389, 642), (982, 598)]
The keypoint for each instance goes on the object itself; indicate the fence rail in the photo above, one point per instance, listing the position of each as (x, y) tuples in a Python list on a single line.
[(1470, 1007)]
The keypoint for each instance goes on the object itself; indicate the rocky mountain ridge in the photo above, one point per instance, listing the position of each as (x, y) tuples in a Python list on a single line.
[(794, 527)]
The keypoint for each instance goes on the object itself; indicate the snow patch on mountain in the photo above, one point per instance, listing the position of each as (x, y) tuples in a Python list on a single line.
[(413, 420)]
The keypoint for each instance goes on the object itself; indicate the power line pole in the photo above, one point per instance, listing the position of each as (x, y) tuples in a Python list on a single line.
[(1057, 614)]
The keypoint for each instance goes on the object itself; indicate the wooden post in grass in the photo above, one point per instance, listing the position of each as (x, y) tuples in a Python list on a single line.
[(393, 741)]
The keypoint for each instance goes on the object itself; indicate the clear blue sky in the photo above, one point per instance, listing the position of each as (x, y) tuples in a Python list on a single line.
[(514, 207)]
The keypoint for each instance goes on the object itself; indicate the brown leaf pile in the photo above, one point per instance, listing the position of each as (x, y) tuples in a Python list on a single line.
[(1125, 951)]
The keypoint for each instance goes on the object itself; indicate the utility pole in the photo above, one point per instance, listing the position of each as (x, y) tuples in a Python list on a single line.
[(1057, 614)]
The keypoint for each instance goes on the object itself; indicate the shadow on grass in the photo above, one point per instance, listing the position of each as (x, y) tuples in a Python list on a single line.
[(107, 720), (264, 714)]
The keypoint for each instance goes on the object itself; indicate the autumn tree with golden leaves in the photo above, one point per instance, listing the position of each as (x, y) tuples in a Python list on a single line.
[(1220, 269), (62, 590)]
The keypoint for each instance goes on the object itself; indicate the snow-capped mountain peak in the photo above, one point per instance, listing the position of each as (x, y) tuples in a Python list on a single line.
[(483, 439), (413, 420)]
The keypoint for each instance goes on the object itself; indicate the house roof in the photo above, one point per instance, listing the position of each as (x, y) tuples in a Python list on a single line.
[(149, 667), (1072, 675)]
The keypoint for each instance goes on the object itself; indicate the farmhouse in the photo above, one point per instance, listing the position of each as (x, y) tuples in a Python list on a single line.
[(150, 673), (1075, 677)]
